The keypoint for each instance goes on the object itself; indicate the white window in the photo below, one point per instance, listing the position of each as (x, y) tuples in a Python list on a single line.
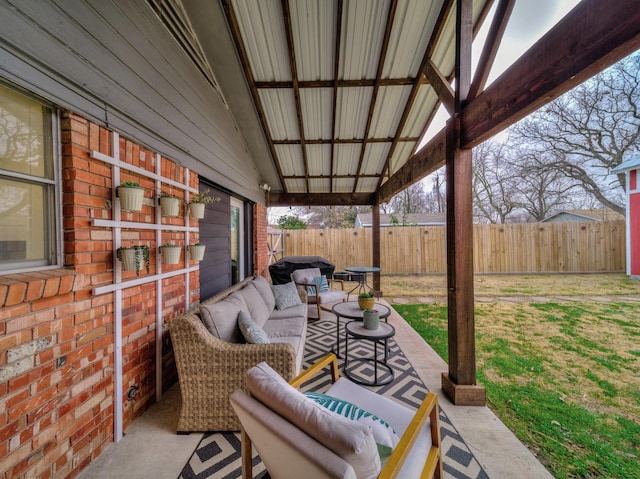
[(28, 183)]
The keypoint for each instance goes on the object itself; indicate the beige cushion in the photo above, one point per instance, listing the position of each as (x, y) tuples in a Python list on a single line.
[(263, 287), (298, 312), (221, 318), (350, 440), (255, 304)]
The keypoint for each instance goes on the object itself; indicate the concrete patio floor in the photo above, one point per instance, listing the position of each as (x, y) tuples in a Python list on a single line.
[(151, 448)]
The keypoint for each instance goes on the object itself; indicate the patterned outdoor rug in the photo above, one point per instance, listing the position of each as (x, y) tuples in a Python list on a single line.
[(218, 454)]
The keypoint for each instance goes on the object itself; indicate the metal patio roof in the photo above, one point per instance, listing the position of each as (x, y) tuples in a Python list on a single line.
[(340, 86)]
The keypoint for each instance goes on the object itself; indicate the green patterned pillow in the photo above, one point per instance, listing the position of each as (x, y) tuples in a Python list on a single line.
[(251, 331), (384, 435)]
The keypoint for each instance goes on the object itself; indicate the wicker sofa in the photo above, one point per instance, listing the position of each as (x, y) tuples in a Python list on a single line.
[(212, 357)]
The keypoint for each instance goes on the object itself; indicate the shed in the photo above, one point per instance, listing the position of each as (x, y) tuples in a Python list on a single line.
[(568, 216), (364, 220), (632, 169)]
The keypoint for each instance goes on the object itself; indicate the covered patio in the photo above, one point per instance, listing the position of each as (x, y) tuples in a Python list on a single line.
[(151, 448), (265, 103)]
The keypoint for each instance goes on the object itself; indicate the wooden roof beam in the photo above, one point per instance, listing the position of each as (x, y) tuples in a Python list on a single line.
[(320, 199), (488, 55), (593, 36), (429, 158)]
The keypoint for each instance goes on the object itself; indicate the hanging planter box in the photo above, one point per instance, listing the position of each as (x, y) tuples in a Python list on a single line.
[(130, 197), (171, 254), (197, 210), (133, 258), (170, 205), (196, 252)]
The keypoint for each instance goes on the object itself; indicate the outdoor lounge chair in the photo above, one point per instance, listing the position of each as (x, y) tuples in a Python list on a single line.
[(304, 279), (296, 439)]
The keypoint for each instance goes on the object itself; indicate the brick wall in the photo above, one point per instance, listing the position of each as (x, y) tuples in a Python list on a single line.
[(57, 336), (261, 249)]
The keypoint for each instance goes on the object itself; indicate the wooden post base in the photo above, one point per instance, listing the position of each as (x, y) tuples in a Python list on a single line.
[(464, 394)]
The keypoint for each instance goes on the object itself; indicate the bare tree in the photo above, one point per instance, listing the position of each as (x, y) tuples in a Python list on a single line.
[(588, 131), (495, 192)]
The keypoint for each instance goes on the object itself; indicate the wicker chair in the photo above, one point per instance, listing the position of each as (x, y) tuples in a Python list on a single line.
[(210, 369)]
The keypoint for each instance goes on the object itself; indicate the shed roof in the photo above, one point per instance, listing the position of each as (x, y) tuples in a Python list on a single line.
[(630, 164), (419, 219)]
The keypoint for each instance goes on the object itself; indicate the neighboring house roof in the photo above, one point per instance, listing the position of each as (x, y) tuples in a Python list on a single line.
[(630, 164), (364, 220), (601, 214)]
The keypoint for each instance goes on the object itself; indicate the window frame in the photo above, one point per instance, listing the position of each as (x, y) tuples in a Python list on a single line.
[(53, 247)]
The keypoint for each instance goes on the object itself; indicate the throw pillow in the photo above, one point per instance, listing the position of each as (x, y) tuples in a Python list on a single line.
[(384, 435), (352, 441), (286, 295), (252, 333), (323, 284)]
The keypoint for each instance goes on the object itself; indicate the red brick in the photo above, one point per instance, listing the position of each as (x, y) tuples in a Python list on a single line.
[(51, 287), (16, 293)]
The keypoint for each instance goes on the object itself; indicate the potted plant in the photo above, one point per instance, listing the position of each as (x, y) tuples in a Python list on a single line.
[(170, 205), (131, 195), (196, 251), (170, 253), (199, 202), (370, 319), (133, 257), (366, 300)]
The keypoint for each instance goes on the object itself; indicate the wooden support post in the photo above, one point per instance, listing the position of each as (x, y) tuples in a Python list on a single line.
[(375, 247), (460, 383)]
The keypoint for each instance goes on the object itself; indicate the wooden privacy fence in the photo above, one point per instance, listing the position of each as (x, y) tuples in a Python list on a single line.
[(506, 248)]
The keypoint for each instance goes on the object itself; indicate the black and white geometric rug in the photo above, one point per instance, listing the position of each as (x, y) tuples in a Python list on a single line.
[(218, 454)]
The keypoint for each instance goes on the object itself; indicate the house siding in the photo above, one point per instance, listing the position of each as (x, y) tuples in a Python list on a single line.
[(116, 64)]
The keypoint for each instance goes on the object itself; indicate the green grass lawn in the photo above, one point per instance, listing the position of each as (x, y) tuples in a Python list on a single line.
[(563, 377)]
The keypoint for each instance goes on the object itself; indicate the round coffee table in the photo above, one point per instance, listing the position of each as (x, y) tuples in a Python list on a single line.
[(356, 330), (351, 310)]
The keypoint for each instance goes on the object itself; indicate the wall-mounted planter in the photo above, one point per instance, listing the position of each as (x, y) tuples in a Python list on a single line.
[(171, 254), (196, 252), (170, 205), (130, 197), (196, 210), (133, 258)]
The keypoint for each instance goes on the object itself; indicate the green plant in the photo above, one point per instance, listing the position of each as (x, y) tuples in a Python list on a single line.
[(130, 184), (366, 295), (141, 255), (204, 197)]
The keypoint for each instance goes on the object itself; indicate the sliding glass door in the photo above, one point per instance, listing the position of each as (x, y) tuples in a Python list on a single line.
[(237, 241)]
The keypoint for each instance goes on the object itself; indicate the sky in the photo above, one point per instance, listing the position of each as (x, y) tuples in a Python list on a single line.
[(529, 20)]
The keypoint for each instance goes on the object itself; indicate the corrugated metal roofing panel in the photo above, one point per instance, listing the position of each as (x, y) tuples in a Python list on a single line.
[(346, 158), (375, 155), (366, 185), (290, 159), (280, 111), (363, 25), (295, 185), (351, 117), (410, 35), (424, 103), (262, 27), (388, 111), (400, 155), (314, 29), (343, 185), (319, 160), (317, 112), (320, 185)]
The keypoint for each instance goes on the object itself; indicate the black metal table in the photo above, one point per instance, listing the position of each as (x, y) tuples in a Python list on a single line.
[(351, 310), (362, 271), (356, 330)]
